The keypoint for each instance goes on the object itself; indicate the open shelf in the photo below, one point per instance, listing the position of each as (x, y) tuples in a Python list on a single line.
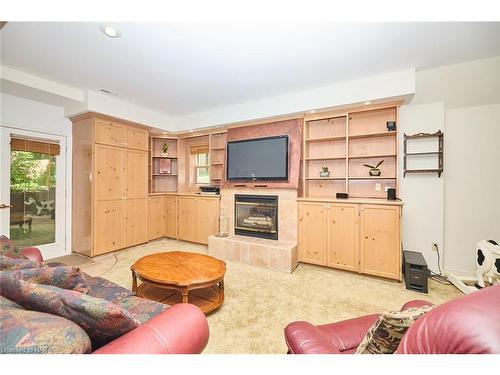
[(164, 157), (372, 135), (165, 174), (217, 147), (157, 162), (344, 143), (424, 165)]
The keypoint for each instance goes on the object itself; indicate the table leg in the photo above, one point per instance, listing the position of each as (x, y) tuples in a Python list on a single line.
[(134, 283), (221, 290), (184, 292)]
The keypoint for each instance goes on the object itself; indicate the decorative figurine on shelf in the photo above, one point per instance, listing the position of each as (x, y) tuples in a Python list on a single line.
[(164, 149), (488, 262), (324, 172), (374, 170)]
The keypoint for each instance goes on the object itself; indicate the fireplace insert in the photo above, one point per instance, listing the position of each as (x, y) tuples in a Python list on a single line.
[(256, 216)]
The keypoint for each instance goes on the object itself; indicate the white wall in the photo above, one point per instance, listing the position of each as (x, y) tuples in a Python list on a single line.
[(456, 99), (35, 116), (472, 185), (423, 210)]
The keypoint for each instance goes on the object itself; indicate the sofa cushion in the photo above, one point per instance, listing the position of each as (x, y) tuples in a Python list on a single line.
[(387, 331), (108, 290), (9, 249), (33, 332), (7, 263), (143, 309), (63, 277), (102, 320)]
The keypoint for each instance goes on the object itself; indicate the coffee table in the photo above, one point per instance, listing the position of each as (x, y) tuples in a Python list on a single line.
[(176, 276)]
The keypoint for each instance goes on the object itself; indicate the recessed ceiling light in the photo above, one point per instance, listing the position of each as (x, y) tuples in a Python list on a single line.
[(164, 132), (368, 103), (191, 130), (312, 111), (110, 31)]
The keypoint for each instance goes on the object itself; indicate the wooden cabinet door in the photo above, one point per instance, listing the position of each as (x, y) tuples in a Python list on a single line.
[(186, 221), (170, 207), (380, 241), (108, 172), (108, 226), (137, 138), (135, 224), (207, 213), (109, 133), (343, 237), (312, 232), (156, 218), (136, 174)]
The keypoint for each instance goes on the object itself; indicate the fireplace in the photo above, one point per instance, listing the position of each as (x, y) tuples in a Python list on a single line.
[(256, 216)]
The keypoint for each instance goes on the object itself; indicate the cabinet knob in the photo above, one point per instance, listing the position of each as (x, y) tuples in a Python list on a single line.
[(366, 237)]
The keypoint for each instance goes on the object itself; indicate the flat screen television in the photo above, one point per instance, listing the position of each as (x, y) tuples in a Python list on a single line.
[(258, 159)]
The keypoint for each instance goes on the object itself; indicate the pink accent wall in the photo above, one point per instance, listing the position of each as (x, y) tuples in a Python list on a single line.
[(292, 128)]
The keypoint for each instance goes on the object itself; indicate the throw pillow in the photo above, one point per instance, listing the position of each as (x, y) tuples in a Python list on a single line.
[(63, 277), (33, 332), (102, 320), (9, 249), (7, 263), (386, 333)]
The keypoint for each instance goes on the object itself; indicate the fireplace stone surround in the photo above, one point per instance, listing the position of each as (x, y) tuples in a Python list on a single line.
[(281, 254)]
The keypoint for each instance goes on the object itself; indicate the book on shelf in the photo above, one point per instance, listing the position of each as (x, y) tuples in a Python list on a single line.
[(165, 166)]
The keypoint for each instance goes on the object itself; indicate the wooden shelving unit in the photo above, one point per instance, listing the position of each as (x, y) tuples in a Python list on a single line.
[(217, 156), (159, 181), (437, 154), (344, 141)]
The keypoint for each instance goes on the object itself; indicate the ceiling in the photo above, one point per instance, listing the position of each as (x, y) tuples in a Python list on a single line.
[(182, 68)]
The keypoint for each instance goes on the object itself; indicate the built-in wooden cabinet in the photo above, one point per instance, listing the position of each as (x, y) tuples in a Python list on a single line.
[(313, 233), (156, 217), (170, 209), (110, 173), (187, 219), (356, 237), (380, 252)]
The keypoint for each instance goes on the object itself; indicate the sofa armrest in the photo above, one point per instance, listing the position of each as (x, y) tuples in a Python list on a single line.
[(32, 253), (305, 338), (180, 329)]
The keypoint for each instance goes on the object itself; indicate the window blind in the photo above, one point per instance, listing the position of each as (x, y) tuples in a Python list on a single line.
[(20, 144)]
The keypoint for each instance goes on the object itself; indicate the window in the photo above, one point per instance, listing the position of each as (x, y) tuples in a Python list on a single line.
[(200, 169)]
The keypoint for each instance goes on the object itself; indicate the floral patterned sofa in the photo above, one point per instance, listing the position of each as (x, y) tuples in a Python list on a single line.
[(33, 320)]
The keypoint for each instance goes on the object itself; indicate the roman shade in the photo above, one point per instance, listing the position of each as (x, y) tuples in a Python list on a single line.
[(21, 144)]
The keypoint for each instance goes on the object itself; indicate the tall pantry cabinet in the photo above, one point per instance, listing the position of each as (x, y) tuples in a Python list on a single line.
[(110, 192)]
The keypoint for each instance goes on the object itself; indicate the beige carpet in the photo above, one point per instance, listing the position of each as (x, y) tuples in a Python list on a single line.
[(259, 303)]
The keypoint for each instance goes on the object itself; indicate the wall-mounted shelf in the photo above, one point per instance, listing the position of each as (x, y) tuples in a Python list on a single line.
[(438, 153), (217, 147)]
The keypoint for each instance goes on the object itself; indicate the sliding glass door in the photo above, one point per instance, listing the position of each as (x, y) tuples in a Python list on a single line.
[(33, 185)]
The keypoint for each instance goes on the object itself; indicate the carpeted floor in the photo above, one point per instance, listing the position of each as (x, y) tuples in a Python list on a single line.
[(259, 303)]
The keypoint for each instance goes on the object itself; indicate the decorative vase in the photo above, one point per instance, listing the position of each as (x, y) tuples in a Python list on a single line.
[(375, 172), (324, 174), (223, 226)]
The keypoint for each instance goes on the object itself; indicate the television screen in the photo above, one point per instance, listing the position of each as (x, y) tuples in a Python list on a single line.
[(258, 159)]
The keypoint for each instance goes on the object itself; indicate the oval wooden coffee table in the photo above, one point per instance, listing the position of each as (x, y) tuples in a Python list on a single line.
[(176, 276)]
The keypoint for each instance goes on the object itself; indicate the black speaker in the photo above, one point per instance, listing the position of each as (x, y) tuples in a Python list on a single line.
[(415, 271), (342, 195), (391, 126), (391, 194)]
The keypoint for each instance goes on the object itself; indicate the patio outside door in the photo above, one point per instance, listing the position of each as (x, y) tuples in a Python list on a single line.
[(33, 190)]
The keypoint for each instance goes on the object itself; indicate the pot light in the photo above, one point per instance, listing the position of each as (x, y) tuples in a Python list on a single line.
[(110, 31), (191, 130), (368, 102), (312, 111)]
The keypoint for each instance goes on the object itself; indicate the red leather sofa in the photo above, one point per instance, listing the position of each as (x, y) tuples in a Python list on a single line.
[(467, 325), (180, 329)]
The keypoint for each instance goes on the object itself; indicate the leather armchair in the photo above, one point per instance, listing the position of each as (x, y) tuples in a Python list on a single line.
[(180, 329), (468, 324)]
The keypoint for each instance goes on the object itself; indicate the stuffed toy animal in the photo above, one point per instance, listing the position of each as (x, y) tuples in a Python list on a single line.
[(488, 262)]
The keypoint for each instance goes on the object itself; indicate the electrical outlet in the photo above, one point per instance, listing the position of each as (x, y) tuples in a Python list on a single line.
[(435, 246), (377, 186)]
